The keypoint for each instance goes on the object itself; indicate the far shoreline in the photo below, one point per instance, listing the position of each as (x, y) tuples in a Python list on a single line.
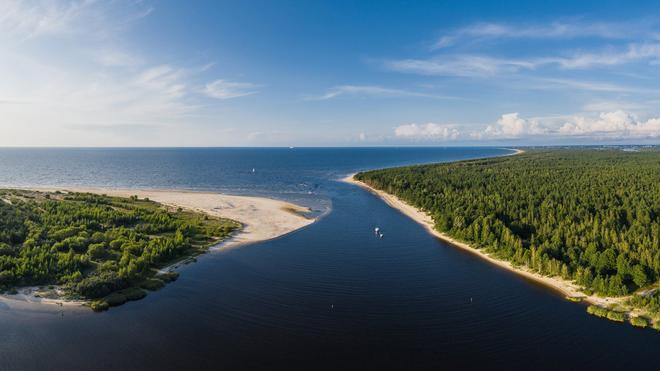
[(568, 289)]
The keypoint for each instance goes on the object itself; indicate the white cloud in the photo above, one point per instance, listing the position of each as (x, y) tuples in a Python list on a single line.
[(615, 125), (551, 30), (372, 91), (611, 57), (25, 20), (510, 125), (604, 105), (70, 66), (597, 86), (222, 89), (486, 66), (31, 19), (429, 131), (116, 58), (466, 66)]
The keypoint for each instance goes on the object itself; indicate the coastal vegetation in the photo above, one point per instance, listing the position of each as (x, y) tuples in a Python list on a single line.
[(590, 216), (606, 313), (105, 250)]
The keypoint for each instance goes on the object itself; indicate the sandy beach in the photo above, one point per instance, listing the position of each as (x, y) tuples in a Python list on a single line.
[(566, 288), (262, 219)]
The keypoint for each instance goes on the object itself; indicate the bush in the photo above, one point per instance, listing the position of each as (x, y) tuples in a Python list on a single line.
[(656, 325), (99, 305), (597, 311), (616, 316), (152, 284), (168, 276), (639, 322), (100, 284), (606, 313), (115, 299), (133, 293)]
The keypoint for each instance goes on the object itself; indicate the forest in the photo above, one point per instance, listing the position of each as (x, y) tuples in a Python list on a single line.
[(95, 246), (591, 215)]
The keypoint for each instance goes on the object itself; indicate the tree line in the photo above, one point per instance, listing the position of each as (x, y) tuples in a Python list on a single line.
[(588, 215)]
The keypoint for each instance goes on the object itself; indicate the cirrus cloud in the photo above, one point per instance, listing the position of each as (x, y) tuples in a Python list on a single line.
[(223, 89), (373, 91)]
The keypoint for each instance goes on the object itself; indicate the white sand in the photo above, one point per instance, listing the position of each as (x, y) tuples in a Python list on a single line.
[(567, 288), (262, 219)]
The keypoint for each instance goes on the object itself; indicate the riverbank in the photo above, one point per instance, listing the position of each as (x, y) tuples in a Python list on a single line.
[(566, 288), (261, 219)]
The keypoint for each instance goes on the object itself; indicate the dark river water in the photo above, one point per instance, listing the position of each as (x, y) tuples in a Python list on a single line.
[(329, 296)]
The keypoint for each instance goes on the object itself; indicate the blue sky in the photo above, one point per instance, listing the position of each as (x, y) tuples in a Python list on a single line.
[(328, 73)]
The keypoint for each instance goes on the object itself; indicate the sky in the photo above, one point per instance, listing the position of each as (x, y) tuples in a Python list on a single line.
[(328, 73)]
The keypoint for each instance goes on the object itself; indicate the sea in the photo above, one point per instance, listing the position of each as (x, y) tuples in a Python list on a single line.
[(328, 296)]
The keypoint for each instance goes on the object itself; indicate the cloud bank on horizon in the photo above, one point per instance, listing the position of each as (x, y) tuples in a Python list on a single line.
[(137, 73)]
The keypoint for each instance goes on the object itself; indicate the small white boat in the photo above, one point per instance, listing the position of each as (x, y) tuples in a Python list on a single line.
[(253, 170)]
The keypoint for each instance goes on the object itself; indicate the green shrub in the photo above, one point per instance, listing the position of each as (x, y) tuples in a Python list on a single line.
[(639, 322), (656, 325), (152, 284), (597, 311), (606, 313), (115, 299), (133, 293), (100, 284), (616, 316), (99, 305), (168, 276)]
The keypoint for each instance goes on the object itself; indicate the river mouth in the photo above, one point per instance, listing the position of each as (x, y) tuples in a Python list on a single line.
[(332, 295)]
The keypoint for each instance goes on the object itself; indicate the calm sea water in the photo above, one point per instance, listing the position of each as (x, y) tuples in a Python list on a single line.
[(329, 296)]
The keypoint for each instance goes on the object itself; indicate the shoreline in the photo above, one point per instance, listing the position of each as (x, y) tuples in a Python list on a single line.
[(261, 219), (557, 284)]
